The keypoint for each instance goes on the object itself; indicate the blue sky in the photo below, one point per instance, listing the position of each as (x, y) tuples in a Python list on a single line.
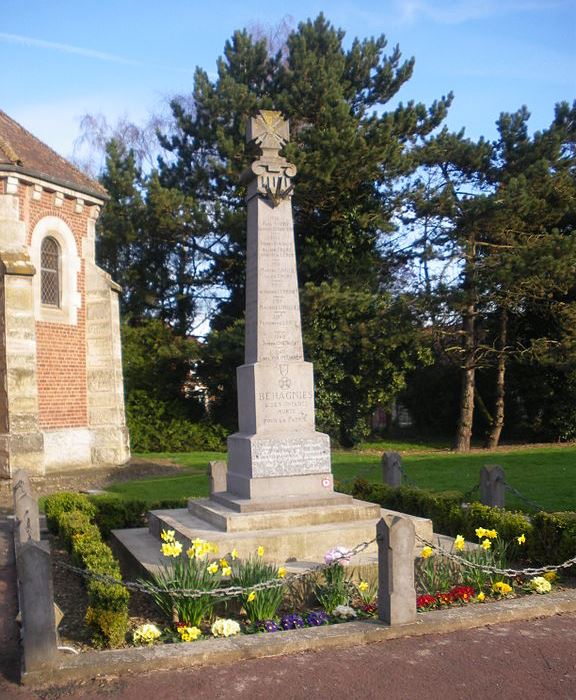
[(63, 58)]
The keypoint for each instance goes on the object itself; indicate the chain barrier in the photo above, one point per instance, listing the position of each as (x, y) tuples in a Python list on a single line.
[(227, 592), (509, 573), (468, 493), (406, 478), (521, 496)]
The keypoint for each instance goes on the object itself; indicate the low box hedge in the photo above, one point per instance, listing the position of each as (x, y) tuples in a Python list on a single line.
[(70, 515), (550, 537)]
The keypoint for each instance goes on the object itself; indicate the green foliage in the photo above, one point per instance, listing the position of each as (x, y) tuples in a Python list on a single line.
[(107, 612), (65, 502), (445, 511), (335, 589), (193, 571), (362, 344), (440, 507), (114, 513), (262, 604), (553, 538), (157, 426)]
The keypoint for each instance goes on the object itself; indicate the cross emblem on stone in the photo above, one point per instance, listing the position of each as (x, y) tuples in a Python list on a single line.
[(268, 129)]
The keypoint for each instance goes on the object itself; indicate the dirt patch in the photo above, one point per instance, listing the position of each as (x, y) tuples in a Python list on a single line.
[(84, 479)]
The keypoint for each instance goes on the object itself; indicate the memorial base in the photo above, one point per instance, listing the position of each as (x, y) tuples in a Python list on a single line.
[(277, 467)]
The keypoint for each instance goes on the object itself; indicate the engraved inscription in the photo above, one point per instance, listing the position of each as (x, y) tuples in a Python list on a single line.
[(283, 457)]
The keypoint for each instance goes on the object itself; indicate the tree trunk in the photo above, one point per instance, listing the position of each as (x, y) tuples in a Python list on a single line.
[(496, 429), (464, 432)]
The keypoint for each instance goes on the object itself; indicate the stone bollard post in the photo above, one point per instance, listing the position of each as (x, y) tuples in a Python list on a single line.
[(396, 589), (36, 594), (392, 468), (492, 485), (25, 509), (218, 471)]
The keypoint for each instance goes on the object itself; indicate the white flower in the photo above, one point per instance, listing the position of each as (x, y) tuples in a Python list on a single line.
[(337, 555), (146, 634), (540, 585), (344, 611), (225, 628)]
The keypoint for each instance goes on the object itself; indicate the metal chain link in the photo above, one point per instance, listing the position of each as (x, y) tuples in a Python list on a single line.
[(509, 573), (521, 496), (406, 478), (466, 496), (230, 591)]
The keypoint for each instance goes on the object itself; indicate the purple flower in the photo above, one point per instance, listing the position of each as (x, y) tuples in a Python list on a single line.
[(315, 619), (270, 626), (291, 622)]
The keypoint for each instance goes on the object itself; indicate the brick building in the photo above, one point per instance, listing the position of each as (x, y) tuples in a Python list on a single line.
[(61, 390)]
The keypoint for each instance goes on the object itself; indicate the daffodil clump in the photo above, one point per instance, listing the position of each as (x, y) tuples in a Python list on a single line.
[(261, 603), (195, 571)]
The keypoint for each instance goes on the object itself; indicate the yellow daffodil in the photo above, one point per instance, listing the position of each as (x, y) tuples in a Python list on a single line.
[(251, 596), (281, 571), (223, 563), (480, 532), (226, 571), (426, 552), (260, 551), (167, 535), (459, 543), (486, 544), (363, 586), (492, 534), (171, 549), (550, 576), (521, 539), (213, 548), (234, 554), (480, 597), (212, 569), (501, 588)]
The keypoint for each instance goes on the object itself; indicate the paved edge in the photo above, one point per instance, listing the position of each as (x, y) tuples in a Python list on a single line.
[(212, 652)]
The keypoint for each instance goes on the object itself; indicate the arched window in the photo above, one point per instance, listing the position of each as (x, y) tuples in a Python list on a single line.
[(50, 272)]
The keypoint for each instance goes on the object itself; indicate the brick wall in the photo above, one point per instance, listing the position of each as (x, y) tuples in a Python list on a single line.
[(61, 348)]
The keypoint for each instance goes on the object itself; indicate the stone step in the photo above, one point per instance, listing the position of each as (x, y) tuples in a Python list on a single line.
[(308, 542), (229, 520)]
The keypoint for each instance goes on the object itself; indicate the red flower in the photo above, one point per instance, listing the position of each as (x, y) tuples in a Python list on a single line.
[(425, 602), (462, 593)]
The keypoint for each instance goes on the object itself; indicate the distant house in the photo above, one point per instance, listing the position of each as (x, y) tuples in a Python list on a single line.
[(61, 389)]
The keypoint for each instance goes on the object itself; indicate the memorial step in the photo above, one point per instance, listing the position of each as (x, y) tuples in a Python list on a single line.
[(230, 520)]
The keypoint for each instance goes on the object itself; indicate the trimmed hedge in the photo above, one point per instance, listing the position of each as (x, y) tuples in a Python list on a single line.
[(554, 538), (70, 516), (550, 537)]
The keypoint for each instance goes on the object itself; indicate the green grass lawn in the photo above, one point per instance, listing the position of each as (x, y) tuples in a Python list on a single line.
[(545, 475)]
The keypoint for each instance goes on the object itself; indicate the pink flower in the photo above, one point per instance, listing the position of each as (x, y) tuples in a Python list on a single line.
[(338, 555)]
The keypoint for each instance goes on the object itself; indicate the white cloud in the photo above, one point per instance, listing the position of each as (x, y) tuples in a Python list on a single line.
[(66, 48)]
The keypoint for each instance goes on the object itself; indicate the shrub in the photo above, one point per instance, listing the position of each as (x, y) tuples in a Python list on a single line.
[(554, 538), (445, 511), (158, 426), (113, 512), (107, 612), (66, 502)]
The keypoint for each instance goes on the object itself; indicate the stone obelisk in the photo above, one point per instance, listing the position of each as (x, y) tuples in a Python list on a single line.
[(276, 455)]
